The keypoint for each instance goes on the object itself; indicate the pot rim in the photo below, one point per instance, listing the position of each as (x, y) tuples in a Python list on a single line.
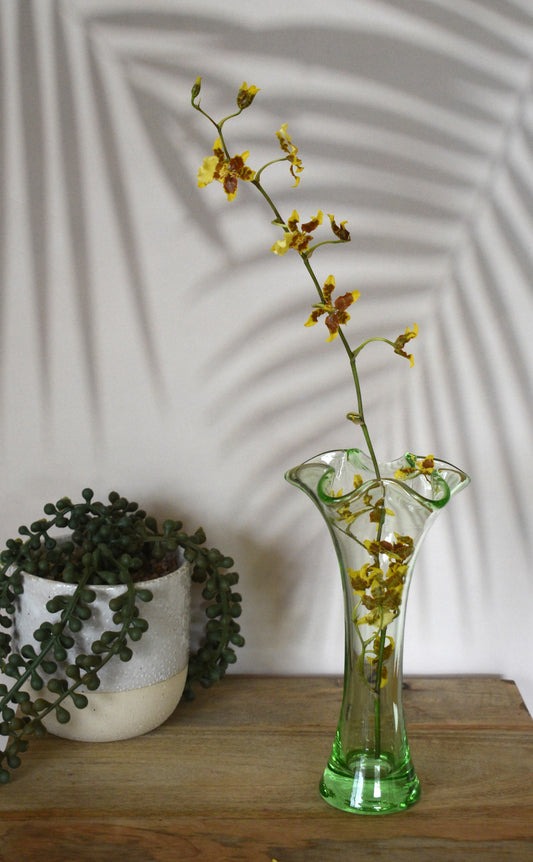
[(103, 589)]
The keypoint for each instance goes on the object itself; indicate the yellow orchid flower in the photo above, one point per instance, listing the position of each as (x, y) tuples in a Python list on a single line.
[(286, 144), (335, 311), (296, 237), (226, 171), (246, 95), (402, 340)]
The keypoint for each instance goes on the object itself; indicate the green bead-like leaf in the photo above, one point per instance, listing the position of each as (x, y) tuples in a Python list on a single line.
[(57, 686), (49, 666), (141, 624), (91, 682), (36, 681), (62, 715), (118, 602), (98, 647), (39, 729), (26, 708)]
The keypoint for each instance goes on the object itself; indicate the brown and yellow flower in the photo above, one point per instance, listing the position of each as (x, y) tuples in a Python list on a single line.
[(341, 232), (335, 310), (416, 467), (401, 549), (227, 171), (297, 237), (246, 95), (402, 340), (286, 144)]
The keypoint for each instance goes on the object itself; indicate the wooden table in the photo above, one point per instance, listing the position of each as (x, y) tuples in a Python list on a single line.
[(233, 776)]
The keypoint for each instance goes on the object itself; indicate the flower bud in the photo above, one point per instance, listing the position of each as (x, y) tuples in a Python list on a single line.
[(196, 87), (246, 95)]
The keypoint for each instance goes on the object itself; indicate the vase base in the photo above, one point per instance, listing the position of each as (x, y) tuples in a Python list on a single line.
[(370, 786)]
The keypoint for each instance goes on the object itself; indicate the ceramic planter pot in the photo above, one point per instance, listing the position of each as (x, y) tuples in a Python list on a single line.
[(134, 697)]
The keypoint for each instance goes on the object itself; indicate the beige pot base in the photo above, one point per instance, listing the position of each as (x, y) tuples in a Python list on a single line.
[(114, 715)]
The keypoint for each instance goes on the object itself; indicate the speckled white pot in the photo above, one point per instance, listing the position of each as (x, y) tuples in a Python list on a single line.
[(134, 697)]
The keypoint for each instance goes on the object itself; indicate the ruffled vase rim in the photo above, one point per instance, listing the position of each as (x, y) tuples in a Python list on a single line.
[(331, 461)]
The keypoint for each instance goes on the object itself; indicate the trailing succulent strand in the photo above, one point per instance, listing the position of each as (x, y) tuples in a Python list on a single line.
[(113, 543)]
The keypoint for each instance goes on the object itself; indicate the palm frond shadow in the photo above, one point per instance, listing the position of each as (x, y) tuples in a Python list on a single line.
[(3, 226), (502, 28), (118, 190), (413, 113), (35, 169), (76, 205)]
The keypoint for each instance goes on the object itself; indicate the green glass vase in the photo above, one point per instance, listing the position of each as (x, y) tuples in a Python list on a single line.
[(377, 526)]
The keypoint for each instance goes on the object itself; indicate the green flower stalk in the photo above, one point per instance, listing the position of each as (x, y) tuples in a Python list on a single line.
[(379, 584), (298, 236)]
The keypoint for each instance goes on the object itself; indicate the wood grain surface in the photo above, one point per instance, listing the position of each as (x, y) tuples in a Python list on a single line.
[(233, 777)]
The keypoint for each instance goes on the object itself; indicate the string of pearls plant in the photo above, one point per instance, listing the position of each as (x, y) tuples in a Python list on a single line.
[(105, 543)]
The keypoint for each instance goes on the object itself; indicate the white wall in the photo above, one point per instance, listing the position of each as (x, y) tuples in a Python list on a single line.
[(150, 342)]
